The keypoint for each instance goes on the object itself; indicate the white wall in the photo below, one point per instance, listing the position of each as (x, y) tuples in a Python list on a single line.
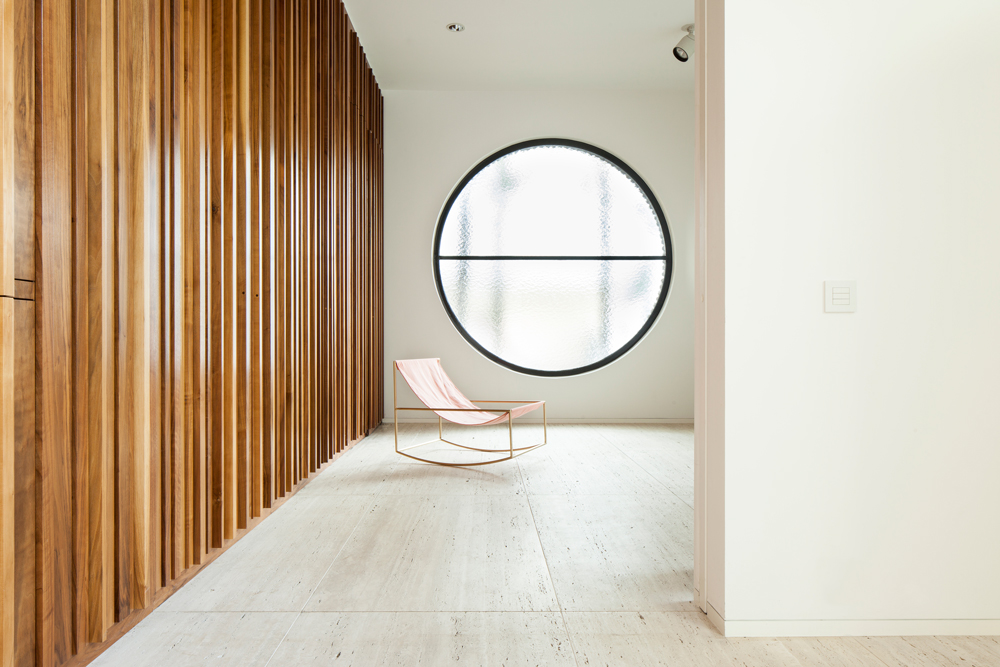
[(433, 138), (862, 451)]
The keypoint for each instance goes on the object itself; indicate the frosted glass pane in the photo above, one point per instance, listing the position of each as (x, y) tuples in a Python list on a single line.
[(551, 200), (552, 315)]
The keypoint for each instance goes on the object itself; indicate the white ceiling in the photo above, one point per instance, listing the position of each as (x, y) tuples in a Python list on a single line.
[(524, 44)]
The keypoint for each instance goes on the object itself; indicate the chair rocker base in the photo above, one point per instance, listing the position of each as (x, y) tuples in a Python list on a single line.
[(511, 454)]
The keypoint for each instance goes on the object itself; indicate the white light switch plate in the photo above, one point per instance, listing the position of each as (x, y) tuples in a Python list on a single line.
[(841, 296)]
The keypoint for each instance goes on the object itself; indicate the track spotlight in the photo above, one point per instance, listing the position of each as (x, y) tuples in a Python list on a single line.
[(685, 48)]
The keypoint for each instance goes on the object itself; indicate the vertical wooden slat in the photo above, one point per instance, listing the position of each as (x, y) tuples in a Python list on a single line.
[(7, 494), (24, 484), (294, 254), (253, 76), (309, 237), (17, 143), (17, 340), (194, 174), (153, 364), (240, 248), (168, 203), (342, 129), (325, 70), (380, 253), (228, 249), (215, 311), (308, 14), (176, 519), (19, 133), (136, 216), (7, 244), (79, 354), (267, 253), (160, 541), (53, 264), (281, 282)]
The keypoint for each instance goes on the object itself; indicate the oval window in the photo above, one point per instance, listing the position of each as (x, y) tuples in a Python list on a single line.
[(552, 257)]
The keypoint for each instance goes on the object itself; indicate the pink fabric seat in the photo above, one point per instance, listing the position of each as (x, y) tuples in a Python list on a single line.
[(433, 387)]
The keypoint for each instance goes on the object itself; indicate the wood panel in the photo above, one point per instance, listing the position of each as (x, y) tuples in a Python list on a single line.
[(7, 448), (137, 214), (53, 275), (17, 157), (190, 293), (95, 311), (24, 483), (17, 209)]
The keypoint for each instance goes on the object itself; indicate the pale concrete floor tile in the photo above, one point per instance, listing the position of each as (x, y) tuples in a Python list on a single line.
[(831, 652), (676, 437), (405, 639), (664, 451), (979, 650), (276, 566), (584, 464), (194, 639), (609, 553), (360, 471), (415, 478), (440, 553), (766, 652), (674, 639), (923, 652)]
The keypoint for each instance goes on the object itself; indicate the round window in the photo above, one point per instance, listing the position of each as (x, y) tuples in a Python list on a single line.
[(552, 257)]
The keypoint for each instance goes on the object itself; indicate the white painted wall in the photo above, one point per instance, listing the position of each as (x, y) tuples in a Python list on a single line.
[(433, 138), (862, 451)]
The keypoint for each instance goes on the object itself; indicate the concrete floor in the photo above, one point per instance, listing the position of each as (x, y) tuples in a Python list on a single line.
[(578, 553)]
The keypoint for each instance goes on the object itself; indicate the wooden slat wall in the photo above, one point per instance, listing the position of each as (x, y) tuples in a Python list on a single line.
[(190, 293)]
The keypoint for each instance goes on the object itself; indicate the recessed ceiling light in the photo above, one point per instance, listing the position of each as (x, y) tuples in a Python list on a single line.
[(455, 27)]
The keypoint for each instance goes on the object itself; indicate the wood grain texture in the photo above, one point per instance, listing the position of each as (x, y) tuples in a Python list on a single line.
[(137, 212), (267, 240), (228, 251), (216, 313), (6, 172), (96, 253), (24, 483), (251, 70), (188, 250), (241, 246), (80, 454), (53, 266), (7, 448), (17, 158)]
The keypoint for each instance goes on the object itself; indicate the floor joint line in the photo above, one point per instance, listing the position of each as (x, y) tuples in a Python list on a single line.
[(548, 570), (361, 518)]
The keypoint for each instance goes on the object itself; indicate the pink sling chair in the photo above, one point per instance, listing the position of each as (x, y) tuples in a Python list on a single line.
[(438, 393)]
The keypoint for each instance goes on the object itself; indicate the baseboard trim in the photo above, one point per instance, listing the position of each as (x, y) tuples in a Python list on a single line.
[(571, 420), (855, 628), (715, 618)]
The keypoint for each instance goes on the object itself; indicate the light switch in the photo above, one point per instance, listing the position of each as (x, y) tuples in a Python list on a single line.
[(841, 296)]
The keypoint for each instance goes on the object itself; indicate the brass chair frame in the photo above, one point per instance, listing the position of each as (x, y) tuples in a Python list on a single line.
[(512, 451)]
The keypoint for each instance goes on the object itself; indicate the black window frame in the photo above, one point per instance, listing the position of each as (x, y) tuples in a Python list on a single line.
[(667, 257)]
